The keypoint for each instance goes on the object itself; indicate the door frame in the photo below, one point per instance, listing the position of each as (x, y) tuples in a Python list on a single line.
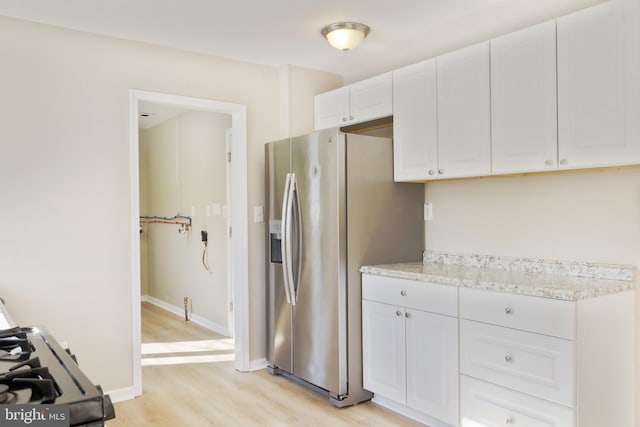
[(228, 141), (238, 218)]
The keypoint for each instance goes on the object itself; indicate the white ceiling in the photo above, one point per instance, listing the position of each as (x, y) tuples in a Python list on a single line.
[(280, 32)]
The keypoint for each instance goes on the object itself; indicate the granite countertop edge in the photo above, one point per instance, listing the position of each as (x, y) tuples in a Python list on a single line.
[(546, 285)]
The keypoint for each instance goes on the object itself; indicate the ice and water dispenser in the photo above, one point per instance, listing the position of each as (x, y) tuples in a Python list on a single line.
[(275, 241)]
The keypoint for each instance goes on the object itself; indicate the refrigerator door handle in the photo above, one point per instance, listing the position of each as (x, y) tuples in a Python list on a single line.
[(287, 205), (298, 240)]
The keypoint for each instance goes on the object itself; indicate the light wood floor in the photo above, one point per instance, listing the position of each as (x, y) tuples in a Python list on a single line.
[(213, 393)]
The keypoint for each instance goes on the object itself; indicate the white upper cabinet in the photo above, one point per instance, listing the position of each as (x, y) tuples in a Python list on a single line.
[(464, 129), (371, 99), (330, 108), (359, 102), (523, 100), (415, 132), (598, 86)]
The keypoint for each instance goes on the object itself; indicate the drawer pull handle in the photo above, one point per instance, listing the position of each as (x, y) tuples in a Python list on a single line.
[(508, 358), (398, 313), (507, 310), (510, 420), (403, 293)]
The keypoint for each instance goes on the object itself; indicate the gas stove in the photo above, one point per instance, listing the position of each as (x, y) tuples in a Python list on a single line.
[(36, 370)]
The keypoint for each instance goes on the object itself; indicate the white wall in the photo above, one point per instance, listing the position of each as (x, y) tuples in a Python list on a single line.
[(186, 174), (64, 179), (585, 216), (304, 84)]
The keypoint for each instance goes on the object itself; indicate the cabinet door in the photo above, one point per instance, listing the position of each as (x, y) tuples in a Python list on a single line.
[(432, 364), (371, 98), (598, 86), (383, 350), (464, 130), (331, 109), (523, 100), (415, 133)]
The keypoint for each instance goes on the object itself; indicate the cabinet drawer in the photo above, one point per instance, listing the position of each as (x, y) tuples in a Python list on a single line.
[(536, 364), (542, 315), (488, 405), (424, 296)]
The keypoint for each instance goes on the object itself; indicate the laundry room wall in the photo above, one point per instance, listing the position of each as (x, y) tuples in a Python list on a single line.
[(185, 167)]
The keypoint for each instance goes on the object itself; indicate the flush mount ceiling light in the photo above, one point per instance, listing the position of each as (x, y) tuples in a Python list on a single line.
[(345, 35)]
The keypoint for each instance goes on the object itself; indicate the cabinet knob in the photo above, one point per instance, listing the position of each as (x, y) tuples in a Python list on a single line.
[(403, 293), (508, 358), (407, 315), (440, 171), (548, 162), (507, 310), (510, 420), (430, 171), (564, 161), (350, 117), (344, 119), (399, 313)]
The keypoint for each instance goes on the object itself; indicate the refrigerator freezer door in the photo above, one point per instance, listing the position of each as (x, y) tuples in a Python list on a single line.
[(279, 330), (319, 316)]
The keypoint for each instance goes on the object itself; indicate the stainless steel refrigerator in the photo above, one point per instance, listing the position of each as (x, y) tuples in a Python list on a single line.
[(332, 206)]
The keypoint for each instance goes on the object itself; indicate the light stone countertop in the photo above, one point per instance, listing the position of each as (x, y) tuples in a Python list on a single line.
[(562, 280)]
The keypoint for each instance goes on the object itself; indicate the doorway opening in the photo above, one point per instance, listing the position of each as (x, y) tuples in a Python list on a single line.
[(228, 217)]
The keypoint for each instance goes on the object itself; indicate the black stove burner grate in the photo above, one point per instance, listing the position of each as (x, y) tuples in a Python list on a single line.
[(35, 369), (14, 345), (38, 380)]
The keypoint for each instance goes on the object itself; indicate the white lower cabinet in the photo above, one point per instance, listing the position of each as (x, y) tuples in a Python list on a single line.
[(483, 404), (432, 351), (383, 355), (410, 355), (539, 365), (467, 357), (531, 362)]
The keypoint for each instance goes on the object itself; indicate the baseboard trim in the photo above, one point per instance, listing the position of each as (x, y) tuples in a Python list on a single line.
[(179, 311), (256, 365), (408, 412), (122, 394)]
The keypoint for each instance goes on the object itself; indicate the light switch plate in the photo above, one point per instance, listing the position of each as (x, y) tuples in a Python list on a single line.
[(428, 211), (258, 214)]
